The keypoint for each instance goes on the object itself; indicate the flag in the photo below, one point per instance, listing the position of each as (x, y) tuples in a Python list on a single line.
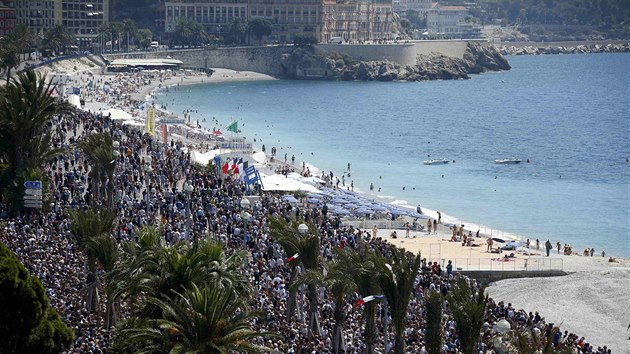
[(225, 167), (234, 169), (367, 299), (295, 256), (233, 127)]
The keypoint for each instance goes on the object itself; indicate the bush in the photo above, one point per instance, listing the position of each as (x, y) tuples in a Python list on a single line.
[(28, 324), (302, 39)]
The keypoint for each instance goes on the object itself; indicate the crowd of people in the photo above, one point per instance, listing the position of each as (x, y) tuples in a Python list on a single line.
[(157, 184)]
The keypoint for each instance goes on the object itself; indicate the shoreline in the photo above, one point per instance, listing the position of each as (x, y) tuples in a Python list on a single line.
[(485, 230)]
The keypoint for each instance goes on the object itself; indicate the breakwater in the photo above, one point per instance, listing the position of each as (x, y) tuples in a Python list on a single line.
[(312, 63), (564, 48)]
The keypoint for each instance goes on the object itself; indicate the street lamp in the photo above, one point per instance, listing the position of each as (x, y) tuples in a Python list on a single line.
[(188, 187), (245, 203), (302, 229), (245, 216)]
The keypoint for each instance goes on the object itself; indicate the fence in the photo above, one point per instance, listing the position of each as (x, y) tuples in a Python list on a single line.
[(500, 263), (380, 224)]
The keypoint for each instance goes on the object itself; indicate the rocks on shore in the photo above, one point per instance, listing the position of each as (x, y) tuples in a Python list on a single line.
[(578, 49), (307, 63)]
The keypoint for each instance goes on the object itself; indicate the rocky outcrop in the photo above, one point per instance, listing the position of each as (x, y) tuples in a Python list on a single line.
[(577, 49), (308, 63)]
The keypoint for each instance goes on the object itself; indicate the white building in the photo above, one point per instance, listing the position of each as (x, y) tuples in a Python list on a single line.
[(422, 6), (446, 21)]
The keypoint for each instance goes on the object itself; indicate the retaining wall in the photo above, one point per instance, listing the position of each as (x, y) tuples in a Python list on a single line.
[(403, 54)]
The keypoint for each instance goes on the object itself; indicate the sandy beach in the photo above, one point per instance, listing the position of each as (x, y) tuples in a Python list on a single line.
[(594, 300)]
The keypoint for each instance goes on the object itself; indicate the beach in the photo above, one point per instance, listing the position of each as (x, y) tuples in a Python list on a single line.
[(592, 300)]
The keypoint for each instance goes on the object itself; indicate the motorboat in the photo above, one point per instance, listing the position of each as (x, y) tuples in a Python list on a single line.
[(508, 161), (437, 162)]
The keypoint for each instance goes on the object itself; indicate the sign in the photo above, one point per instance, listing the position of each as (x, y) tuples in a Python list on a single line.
[(164, 133), (33, 191), (33, 205), (33, 184), (150, 120), (33, 198)]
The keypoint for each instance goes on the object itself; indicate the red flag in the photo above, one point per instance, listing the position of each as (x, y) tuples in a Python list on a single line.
[(225, 168), (295, 256)]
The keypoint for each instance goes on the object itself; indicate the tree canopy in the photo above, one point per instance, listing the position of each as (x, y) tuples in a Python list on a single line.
[(28, 324)]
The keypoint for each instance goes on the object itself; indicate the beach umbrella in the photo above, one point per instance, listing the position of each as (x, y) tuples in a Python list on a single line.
[(289, 198), (499, 240)]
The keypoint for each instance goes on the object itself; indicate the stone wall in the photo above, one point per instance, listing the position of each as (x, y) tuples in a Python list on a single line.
[(267, 59), (450, 48), (403, 53)]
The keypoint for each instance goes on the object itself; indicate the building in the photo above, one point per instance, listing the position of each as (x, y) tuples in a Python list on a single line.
[(353, 20), (8, 18), (422, 6), (446, 21), (357, 21), (213, 15), (37, 15), (83, 18), (289, 17)]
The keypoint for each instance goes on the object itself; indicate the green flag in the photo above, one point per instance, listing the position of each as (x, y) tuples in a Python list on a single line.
[(233, 127)]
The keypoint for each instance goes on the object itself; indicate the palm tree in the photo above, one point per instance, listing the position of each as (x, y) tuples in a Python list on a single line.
[(130, 28), (156, 270), (307, 246), (340, 283), (397, 281), (197, 320), (99, 149), (9, 57), (468, 306), (89, 229), (58, 38), (26, 108), (433, 330), (361, 267)]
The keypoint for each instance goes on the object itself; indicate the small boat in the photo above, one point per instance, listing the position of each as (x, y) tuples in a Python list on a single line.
[(508, 161), (436, 162)]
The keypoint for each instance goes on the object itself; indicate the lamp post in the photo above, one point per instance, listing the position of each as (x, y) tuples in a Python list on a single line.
[(302, 229), (188, 187), (245, 203)]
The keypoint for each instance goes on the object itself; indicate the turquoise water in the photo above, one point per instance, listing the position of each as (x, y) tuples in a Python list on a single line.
[(568, 114)]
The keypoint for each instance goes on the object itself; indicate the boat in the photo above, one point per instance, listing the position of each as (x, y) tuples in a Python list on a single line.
[(508, 161), (436, 162)]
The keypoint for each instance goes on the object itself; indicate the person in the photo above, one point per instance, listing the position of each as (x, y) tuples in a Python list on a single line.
[(548, 246), (429, 224), (407, 229), (439, 217), (371, 186), (374, 231), (537, 244), (558, 246), (419, 210), (435, 226), (592, 251), (490, 242), (449, 268)]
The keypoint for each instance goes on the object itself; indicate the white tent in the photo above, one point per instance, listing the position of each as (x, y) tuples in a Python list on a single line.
[(74, 100), (117, 114)]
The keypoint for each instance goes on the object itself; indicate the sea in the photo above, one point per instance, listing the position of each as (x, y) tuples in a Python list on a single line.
[(566, 116)]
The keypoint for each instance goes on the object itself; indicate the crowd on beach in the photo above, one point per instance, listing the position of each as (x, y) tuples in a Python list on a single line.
[(151, 186)]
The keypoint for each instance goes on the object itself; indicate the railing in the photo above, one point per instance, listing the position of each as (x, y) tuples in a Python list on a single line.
[(380, 224), (522, 263)]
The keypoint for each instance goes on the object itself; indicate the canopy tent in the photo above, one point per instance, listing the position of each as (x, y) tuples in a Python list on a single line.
[(74, 100), (117, 114)]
